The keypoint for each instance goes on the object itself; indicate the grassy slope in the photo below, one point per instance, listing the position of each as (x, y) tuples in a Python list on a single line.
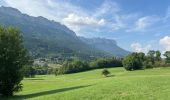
[(152, 84)]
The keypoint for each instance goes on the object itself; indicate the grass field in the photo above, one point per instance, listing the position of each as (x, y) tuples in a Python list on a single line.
[(150, 84)]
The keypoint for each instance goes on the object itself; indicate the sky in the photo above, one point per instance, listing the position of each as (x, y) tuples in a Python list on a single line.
[(136, 25)]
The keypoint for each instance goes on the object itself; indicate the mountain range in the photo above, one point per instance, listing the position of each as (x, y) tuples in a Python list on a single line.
[(47, 38), (107, 45)]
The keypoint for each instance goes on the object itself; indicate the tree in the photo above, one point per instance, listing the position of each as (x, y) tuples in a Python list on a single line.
[(105, 72), (133, 61), (106, 62), (151, 56), (100, 63), (13, 56), (167, 55), (72, 67), (158, 56)]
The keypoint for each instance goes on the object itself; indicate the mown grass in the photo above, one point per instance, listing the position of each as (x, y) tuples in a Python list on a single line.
[(150, 84)]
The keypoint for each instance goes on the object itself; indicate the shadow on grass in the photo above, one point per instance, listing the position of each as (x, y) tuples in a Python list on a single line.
[(34, 79), (28, 96), (111, 75)]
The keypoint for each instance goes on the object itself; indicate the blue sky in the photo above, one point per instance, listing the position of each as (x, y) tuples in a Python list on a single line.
[(136, 25)]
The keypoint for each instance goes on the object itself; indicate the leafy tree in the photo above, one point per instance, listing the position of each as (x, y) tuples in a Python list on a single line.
[(13, 56), (141, 55), (158, 56), (167, 55), (99, 63), (133, 61), (153, 59), (72, 67), (106, 62), (105, 72), (151, 56)]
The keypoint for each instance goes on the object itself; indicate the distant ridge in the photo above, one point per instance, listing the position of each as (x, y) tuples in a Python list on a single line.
[(107, 45), (46, 38)]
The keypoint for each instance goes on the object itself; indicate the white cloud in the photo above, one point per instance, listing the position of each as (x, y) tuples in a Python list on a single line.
[(118, 24), (143, 23), (76, 22), (110, 11), (73, 19), (165, 41), (108, 7), (137, 47)]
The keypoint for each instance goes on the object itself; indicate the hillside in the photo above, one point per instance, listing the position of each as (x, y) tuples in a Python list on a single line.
[(107, 45), (151, 84), (45, 38)]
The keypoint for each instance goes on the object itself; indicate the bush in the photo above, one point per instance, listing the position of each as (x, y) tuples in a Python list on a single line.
[(13, 56), (105, 72)]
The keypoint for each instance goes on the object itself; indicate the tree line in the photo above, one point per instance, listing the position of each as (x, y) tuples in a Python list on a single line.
[(135, 61), (79, 66)]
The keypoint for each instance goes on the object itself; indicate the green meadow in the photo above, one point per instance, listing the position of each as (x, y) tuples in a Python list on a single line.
[(150, 84)]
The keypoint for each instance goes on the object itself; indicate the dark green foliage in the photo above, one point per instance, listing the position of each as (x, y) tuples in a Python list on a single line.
[(99, 63), (151, 56), (78, 66), (153, 59), (134, 61), (106, 63), (105, 72), (13, 56), (167, 55), (158, 56), (148, 64), (72, 67)]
